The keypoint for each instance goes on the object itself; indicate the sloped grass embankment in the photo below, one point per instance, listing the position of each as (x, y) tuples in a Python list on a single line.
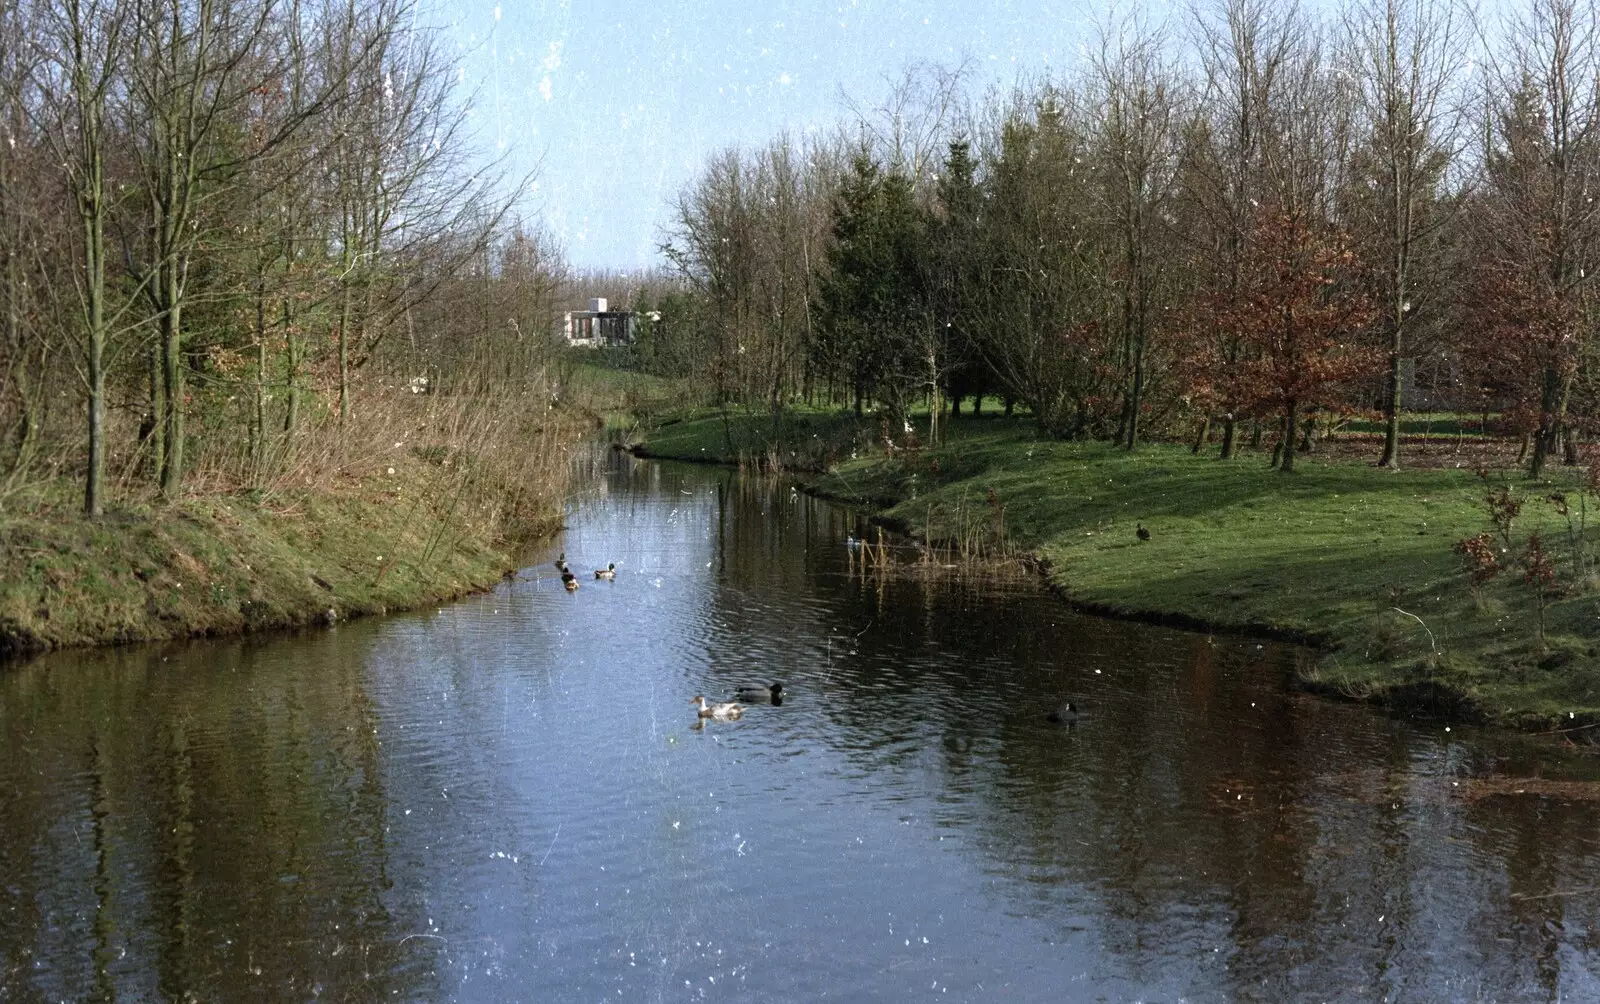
[(1354, 561), (226, 564), (421, 499)]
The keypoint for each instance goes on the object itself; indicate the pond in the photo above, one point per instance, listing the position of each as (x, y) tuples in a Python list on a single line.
[(509, 799)]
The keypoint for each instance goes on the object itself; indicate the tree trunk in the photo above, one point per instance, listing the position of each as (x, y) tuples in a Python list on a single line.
[(1396, 389), (1230, 443), (94, 296), (94, 480), (1553, 413), (172, 387), (1135, 399), (26, 437), (151, 430), (1202, 436), (1290, 423), (258, 426), (344, 356), (291, 414)]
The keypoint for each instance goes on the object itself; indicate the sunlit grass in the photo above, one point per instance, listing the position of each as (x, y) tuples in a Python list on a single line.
[(1355, 559)]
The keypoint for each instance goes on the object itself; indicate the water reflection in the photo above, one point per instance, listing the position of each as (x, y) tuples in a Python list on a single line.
[(507, 799), (195, 821)]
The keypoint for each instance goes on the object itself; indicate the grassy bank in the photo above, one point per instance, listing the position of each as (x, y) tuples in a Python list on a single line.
[(1353, 560), (226, 565), (416, 499), (615, 398)]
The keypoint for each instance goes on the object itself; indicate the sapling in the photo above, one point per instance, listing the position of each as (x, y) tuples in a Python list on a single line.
[(1504, 508), (1539, 573), (1577, 525), (1478, 562)]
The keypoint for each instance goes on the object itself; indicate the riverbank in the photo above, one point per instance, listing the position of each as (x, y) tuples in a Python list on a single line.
[(382, 539), (1355, 562), (419, 500)]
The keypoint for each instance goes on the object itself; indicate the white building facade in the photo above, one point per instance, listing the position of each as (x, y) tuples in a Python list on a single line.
[(598, 327)]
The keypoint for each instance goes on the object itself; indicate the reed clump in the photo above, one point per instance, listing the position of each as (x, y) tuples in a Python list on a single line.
[(965, 540)]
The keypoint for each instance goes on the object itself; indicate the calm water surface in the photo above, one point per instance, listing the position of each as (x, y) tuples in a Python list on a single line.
[(507, 799)]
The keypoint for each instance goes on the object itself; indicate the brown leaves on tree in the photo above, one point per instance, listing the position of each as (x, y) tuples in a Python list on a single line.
[(1478, 558), (1289, 337), (1504, 508), (1522, 334)]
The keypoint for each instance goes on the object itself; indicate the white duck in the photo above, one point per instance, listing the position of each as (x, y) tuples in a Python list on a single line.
[(725, 711)]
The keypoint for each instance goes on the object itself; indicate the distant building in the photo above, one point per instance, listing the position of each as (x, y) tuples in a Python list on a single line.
[(598, 327)]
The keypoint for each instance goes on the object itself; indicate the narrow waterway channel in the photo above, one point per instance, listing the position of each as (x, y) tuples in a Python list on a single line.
[(508, 799)]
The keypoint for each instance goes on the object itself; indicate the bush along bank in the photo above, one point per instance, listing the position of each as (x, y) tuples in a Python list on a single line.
[(1474, 595)]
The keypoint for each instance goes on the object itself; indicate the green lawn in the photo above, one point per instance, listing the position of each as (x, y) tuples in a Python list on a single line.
[(1442, 424), (1332, 553)]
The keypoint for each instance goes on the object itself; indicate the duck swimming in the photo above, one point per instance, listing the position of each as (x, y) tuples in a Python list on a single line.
[(608, 572), (569, 580), (725, 711), (760, 695), (1068, 712)]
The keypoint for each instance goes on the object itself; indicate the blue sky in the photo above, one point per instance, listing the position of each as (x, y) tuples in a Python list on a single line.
[(617, 103)]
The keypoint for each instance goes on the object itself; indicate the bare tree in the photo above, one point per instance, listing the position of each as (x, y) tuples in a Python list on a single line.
[(1136, 114), (191, 70), (1403, 59), (1539, 226), (906, 132), (1245, 48), (398, 179), (749, 236), (86, 39), (1038, 297), (23, 218)]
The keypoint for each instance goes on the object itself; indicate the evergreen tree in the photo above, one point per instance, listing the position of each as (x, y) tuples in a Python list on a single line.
[(954, 236), (875, 318)]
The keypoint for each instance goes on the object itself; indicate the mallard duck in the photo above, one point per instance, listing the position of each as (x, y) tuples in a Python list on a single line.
[(569, 580), (561, 561), (1140, 532), (760, 695), (726, 710), (1068, 712), (608, 572)]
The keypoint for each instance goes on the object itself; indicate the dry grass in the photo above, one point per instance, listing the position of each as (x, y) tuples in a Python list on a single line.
[(496, 457), (417, 498)]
